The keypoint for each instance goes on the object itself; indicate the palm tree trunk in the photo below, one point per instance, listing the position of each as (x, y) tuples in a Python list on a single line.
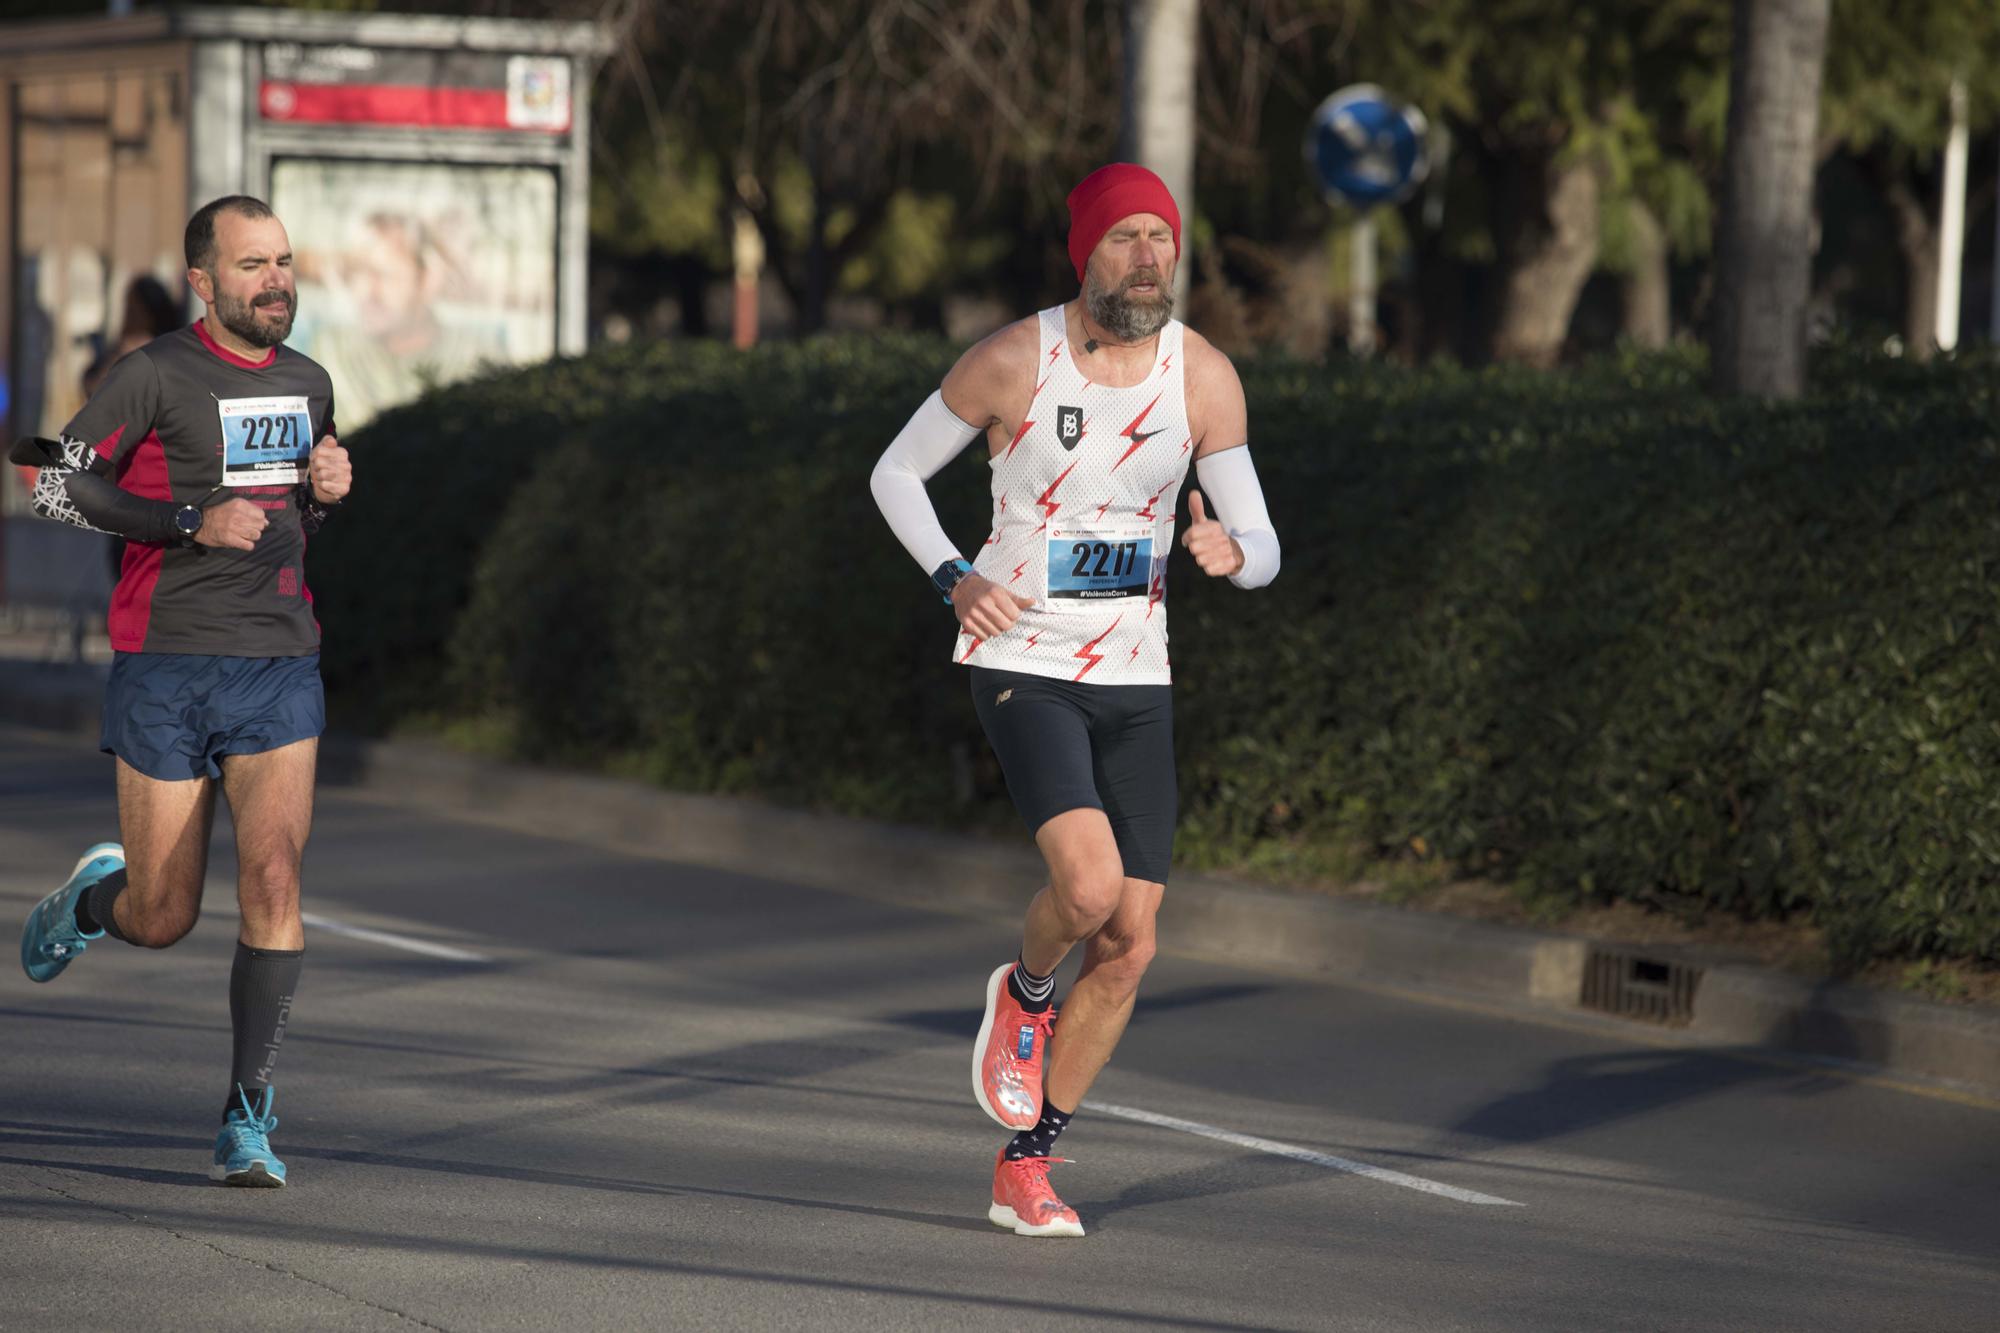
[(1763, 245), (1159, 126)]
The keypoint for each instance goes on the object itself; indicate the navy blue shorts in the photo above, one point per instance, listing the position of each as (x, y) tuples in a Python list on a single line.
[(175, 716), (1066, 746)]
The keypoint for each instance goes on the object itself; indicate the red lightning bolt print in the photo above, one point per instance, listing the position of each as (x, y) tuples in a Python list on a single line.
[(1055, 352), (970, 651), (1015, 443), (1101, 508), (1155, 596), (1135, 654), (1185, 443), (1018, 570), (1166, 363), (1133, 433), (1048, 500), (1033, 637), (1088, 654), (1147, 512)]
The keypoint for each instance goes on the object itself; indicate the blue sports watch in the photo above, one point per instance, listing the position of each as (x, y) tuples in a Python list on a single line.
[(949, 575), (187, 522)]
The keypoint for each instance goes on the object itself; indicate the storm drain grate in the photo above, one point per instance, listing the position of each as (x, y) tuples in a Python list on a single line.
[(1652, 990)]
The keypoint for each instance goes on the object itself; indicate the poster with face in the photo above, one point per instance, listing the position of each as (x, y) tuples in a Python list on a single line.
[(416, 274)]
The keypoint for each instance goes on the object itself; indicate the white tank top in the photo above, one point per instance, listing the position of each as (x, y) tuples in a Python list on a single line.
[(1083, 521)]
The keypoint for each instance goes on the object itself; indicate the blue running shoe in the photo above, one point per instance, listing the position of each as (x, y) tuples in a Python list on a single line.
[(51, 941), (243, 1153)]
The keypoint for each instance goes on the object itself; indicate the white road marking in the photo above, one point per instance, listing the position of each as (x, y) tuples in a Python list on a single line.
[(1296, 1153), (445, 951)]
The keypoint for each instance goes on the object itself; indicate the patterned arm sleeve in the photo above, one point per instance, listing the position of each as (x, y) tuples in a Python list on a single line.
[(77, 481), (312, 514), (72, 485)]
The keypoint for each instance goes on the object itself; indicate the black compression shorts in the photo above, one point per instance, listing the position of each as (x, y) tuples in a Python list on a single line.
[(1068, 746)]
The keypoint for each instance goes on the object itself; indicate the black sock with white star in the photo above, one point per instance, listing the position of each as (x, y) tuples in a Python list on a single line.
[(1036, 1142), (1034, 994)]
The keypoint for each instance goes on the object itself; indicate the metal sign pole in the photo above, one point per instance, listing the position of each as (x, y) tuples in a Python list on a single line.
[(1361, 300), (1366, 149), (1951, 229)]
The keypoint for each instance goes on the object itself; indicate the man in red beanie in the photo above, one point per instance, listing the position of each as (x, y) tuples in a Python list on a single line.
[(1091, 412)]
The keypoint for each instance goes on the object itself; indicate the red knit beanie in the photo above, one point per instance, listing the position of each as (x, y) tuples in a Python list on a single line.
[(1108, 194)]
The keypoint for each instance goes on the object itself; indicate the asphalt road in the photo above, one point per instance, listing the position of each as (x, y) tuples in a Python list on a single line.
[(621, 1093)]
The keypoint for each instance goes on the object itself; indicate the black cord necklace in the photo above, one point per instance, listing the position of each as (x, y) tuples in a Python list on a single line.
[(1090, 343)]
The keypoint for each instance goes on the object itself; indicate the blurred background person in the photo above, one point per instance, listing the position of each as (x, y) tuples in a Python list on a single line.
[(150, 310), (394, 277)]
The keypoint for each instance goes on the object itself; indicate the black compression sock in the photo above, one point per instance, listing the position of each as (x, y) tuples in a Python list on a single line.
[(261, 984), (1034, 994), (1036, 1142), (94, 904)]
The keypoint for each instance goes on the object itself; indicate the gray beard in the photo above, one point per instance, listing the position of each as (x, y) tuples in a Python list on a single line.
[(1127, 320), (240, 318)]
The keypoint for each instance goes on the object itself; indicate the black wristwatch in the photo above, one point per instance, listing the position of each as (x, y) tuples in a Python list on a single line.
[(949, 575), (187, 521)]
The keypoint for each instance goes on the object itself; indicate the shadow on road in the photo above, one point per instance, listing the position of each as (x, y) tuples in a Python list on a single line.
[(1235, 1175), (1588, 1091), (964, 1023)]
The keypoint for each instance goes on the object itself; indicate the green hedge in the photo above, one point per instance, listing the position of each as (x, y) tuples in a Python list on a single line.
[(1593, 633)]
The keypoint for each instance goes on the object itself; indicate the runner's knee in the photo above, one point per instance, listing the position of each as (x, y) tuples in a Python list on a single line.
[(1086, 897), (268, 882), (1124, 956), (155, 924)]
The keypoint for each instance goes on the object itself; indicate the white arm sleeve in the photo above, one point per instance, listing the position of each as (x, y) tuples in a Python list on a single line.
[(1231, 482), (933, 437)]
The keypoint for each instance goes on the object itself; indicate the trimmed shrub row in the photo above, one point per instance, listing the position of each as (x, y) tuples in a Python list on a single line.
[(1596, 633)]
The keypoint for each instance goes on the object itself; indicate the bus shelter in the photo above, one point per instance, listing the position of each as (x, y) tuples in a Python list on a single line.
[(432, 171)]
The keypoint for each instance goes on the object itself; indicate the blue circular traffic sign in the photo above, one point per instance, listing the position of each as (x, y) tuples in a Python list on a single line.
[(1365, 147)]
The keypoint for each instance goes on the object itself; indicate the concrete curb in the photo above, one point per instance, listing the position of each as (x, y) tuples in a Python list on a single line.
[(1732, 1006)]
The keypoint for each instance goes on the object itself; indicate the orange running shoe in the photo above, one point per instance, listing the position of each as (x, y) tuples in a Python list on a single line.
[(1007, 1057), (1024, 1202)]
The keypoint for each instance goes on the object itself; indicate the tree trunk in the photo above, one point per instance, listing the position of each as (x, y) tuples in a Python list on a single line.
[(1764, 229), (1917, 239), (1548, 245), (1159, 125), (1648, 312)]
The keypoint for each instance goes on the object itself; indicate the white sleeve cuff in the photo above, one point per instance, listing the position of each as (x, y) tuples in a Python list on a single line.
[(933, 437), (1230, 480)]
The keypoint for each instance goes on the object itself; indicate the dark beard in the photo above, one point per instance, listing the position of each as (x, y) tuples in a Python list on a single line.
[(1124, 319), (240, 318)]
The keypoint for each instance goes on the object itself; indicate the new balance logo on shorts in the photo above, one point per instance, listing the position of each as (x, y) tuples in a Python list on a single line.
[(1024, 1044), (1004, 696)]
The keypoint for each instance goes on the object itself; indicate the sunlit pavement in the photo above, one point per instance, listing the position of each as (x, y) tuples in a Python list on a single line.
[(530, 1084)]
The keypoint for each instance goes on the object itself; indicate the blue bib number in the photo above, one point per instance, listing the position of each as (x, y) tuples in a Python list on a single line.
[(1087, 566)]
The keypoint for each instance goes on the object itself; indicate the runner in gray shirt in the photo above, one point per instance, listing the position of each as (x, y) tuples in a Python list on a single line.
[(211, 450)]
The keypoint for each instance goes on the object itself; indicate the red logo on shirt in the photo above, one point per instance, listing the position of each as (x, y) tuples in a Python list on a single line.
[(288, 583)]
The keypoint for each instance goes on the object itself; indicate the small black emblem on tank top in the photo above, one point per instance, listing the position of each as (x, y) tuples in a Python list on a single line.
[(1069, 426)]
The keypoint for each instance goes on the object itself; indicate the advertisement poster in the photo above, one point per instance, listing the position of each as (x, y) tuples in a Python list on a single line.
[(417, 274)]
